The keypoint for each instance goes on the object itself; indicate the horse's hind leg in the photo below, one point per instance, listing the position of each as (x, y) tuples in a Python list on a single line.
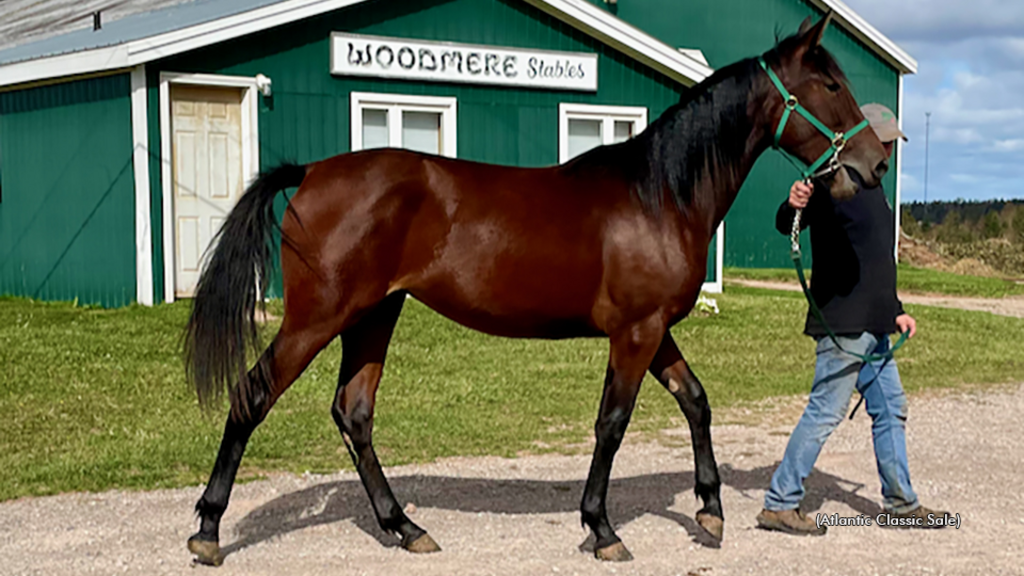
[(364, 347), (631, 351), (281, 363), (671, 370)]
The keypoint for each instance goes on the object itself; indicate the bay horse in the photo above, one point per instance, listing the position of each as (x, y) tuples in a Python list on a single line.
[(611, 244)]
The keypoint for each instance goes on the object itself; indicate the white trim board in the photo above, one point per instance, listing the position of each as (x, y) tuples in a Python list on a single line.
[(899, 170), (578, 13), (715, 287), (869, 35), (626, 38), (140, 168), (250, 152)]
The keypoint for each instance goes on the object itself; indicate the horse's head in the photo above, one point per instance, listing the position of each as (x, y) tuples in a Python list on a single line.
[(817, 84)]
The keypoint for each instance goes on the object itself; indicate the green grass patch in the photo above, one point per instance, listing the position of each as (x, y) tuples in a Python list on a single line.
[(933, 281), (908, 279), (95, 399)]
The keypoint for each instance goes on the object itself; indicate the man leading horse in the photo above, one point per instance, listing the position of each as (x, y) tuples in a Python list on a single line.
[(854, 284)]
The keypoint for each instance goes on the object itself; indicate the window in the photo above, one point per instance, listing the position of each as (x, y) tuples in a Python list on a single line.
[(421, 123), (582, 127)]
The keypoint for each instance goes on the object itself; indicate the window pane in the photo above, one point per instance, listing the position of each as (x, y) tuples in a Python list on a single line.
[(583, 135), (623, 130), (375, 128), (421, 131)]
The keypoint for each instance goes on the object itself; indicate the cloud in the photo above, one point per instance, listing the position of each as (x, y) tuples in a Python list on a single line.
[(971, 79), (942, 20), (909, 184), (1011, 145)]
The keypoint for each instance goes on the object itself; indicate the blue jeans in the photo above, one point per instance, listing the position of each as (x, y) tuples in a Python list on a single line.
[(836, 374)]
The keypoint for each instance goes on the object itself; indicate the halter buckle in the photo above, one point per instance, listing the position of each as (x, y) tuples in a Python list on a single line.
[(792, 102), (839, 141)]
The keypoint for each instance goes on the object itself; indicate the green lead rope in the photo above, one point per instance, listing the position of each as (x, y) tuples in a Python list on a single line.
[(816, 312), (794, 253)]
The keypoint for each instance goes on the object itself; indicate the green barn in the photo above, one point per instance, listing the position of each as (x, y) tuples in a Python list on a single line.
[(122, 147)]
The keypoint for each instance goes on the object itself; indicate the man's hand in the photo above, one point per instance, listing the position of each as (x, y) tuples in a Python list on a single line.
[(799, 194), (906, 322)]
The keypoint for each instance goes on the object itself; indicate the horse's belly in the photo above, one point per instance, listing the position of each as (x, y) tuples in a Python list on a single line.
[(515, 325), (526, 304)]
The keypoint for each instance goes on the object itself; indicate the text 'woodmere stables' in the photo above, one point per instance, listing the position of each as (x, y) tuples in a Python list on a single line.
[(380, 57)]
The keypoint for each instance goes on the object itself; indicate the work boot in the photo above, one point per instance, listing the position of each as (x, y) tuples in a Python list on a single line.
[(918, 518), (790, 522)]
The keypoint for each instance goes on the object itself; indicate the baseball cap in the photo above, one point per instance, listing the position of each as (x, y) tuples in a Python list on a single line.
[(883, 122)]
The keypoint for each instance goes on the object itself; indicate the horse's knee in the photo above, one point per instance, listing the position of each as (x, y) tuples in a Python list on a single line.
[(355, 422), (692, 400)]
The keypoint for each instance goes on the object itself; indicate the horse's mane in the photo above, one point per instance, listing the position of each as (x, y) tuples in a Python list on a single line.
[(701, 134), (675, 150)]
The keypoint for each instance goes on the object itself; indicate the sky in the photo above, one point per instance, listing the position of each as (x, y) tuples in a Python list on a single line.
[(970, 56)]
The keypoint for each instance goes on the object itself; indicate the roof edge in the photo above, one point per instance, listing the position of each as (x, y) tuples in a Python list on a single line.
[(577, 13), (869, 35), (626, 38)]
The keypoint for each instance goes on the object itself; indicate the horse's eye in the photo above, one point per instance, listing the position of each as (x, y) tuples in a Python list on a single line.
[(834, 87)]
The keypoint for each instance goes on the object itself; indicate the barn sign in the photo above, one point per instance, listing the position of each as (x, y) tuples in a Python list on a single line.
[(380, 57)]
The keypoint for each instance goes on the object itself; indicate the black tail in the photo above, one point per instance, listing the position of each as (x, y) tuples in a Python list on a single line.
[(222, 327)]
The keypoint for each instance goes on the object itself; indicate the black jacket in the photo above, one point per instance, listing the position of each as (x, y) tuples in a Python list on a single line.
[(852, 241)]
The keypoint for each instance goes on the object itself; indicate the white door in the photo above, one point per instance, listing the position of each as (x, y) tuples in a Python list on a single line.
[(206, 156)]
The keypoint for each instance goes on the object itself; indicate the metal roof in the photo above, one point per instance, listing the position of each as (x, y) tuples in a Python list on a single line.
[(166, 27), (131, 20), (120, 25)]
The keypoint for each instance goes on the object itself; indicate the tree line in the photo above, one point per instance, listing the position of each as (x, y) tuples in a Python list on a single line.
[(990, 231)]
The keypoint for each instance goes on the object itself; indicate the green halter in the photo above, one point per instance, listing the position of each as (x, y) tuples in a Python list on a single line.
[(838, 139), (831, 156)]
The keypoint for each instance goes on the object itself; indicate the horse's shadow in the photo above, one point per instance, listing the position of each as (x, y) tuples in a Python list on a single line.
[(629, 498)]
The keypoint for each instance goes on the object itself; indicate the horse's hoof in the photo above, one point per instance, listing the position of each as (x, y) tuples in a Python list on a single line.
[(207, 551), (423, 545), (615, 553), (712, 524)]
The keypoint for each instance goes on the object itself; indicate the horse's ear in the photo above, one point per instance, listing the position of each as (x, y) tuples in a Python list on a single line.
[(812, 35), (805, 26)]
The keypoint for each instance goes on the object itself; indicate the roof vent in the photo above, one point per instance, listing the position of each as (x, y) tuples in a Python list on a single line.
[(97, 21)]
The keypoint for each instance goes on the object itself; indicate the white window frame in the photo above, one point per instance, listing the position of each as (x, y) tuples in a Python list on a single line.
[(395, 104), (250, 150), (607, 114)]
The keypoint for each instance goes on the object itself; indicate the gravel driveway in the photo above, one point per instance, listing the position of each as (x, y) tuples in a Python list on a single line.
[(498, 516)]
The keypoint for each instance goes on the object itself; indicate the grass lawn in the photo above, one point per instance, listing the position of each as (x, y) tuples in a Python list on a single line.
[(908, 279), (94, 399)]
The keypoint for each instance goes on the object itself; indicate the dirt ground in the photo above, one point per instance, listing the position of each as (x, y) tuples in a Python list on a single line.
[(518, 516), (1009, 306)]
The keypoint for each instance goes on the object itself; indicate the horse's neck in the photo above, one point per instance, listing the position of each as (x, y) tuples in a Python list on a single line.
[(717, 189)]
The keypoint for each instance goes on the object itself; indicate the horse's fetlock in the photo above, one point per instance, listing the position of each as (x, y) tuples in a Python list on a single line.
[(210, 510), (591, 510)]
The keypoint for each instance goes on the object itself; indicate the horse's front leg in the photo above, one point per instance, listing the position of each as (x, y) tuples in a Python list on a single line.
[(632, 349), (675, 375)]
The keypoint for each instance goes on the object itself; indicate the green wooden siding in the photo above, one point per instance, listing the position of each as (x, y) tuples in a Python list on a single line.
[(730, 30), (307, 118), (67, 217)]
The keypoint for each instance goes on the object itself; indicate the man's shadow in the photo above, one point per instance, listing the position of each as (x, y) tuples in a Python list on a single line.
[(628, 499)]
